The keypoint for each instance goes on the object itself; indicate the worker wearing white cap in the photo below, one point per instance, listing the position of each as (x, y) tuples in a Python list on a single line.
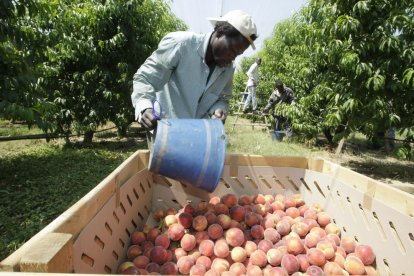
[(190, 74)]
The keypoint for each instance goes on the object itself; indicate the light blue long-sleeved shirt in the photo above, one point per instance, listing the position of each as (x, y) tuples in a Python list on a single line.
[(176, 75)]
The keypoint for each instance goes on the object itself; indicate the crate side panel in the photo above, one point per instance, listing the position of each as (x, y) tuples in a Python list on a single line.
[(103, 243)]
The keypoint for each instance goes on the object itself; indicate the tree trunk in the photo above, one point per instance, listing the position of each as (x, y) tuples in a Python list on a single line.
[(87, 137)]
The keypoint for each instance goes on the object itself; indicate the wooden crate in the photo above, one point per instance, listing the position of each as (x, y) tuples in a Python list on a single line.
[(93, 234)]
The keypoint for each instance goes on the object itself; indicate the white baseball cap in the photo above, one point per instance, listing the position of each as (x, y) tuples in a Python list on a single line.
[(239, 20)]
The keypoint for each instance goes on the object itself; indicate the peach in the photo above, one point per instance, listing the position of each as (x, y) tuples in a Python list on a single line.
[(229, 200), (245, 200), (185, 219), (314, 270), (215, 231), (123, 266), (224, 220), (221, 248), (201, 207), (211, 272), (258, 258), (353, 265), (301, 228), (334, 239), (310, 214), (260, 209), (206, 248), (369, 270), (271, 234), (162, 240), (178, 253), (302, 209), (170, 211), (132, 270), (290, 263), (133, 251), (294, 246), (292, 212), (184, 264), (303, 262), (264, 245), (250, 247), (348, 243), (316, 257), (158, 255), (277, 271), (137, 237), (200, 223), (237, 269), (332, 228), (169, 268), (211, 217), (319, 231), (152, 234), (311, 223), (298, 199), (283, 227), (220, 265), (327, 248), (274, 256), (323, 219), (234, 237), (365, 253), (332, 268), (277, 205), (204, 261), (289, 202), (188, 242), (189, 209), (311, 240), (253, 270), (201, 236), (221, 208), (257, 231), (238, 254), (215, 200), (251, 219), (237, 213), (175, 232), (170, 220), (153, 267), (259, 199), (197, 270), (339, 259), (141, 261), (158, 215)]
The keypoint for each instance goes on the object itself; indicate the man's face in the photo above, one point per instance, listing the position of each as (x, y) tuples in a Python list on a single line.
[(226, 49)]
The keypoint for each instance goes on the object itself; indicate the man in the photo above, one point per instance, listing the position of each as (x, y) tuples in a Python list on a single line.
[(253, 75), (190, 74), (281, 94)]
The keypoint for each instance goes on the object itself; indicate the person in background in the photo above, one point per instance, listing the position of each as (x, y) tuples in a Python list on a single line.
[(252, 82), (190, 74), (282, 94)]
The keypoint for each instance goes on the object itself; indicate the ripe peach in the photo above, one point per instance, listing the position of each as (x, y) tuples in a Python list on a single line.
[(153, 267), (314, 270), (369, 270), (264, 245), (250, 247), (292, 212), (301, 228), (327, 248), (175, 232), (311, 240), (201, 236), (162, 240), (234, 237), (141, 261), (245, 200), (201, 207), (332, 228), (260, 209), (185, 219), (348, 243), (339, 259), (319, 231), (178, 253), (169, 268), (170, 220), (159, 215), (211, 217), (137, 237), (323, 219), (215, 200), (133, 251), (221, 208), (237, 213), (170, 211), (272, 235), (211, 272), (354, 265), (251, 219), (221, 248), (184, 264), (257, 231), (215, 231), (229, 200), (316, 257), (224, 221), (332, 268), (220, 265), (237, 269), (198, 270), (131, 270), (274, 256), (303, 262), (158, 255), (152, 234), (123, 266), (204, 261), (283, 227), (290, 263), (334, 239), (277, 271), (365, 253), (206, 248), (259, 199), (200, 223), (294, 246), (188, 242), (310, 214), (258, 258), (189, 209), (238, 254)]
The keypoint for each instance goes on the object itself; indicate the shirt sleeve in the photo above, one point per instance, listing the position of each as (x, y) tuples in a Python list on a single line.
[(250, 72), (154, 73)]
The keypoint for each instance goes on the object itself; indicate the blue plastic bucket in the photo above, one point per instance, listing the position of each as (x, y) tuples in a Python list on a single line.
[(191, 151), (278, 135)]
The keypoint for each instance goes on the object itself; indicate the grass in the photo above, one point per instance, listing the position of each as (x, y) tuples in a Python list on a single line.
[(39, 180)]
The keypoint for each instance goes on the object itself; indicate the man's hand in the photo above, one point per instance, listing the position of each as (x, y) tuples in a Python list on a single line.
[(148, 120), (219, 114)]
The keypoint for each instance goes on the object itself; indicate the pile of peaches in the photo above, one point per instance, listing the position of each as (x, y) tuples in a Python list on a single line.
[(246, 235)]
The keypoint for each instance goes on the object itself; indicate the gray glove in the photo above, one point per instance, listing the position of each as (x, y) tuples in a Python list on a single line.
[(148, 120)]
